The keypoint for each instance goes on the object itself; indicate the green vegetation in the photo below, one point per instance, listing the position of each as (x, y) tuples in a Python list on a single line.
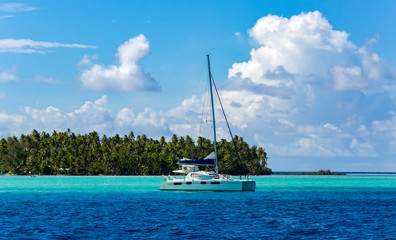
[(320, 172), (67, 153)]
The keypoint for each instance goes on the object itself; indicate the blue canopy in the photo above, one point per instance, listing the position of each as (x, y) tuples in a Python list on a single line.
[(208, 160), (197, 162)]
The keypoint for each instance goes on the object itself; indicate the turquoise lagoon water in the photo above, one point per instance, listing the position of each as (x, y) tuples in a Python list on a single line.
[(283, 207)]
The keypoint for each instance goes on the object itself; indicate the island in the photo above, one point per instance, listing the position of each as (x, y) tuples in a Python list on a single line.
[(67, 153), (320, 172)]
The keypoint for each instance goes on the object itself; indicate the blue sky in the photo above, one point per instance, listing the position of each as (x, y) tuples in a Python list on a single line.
[(313, 82)]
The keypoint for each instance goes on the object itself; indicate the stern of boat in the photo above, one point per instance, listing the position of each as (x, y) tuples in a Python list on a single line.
[(248, 185)]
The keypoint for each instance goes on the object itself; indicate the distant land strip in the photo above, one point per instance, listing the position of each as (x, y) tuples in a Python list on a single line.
[(320, 172)]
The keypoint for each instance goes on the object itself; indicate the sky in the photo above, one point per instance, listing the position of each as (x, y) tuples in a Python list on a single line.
[(312, 82)]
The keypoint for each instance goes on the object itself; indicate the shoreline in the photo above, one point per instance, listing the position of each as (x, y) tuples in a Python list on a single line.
[(277, 173), (332, 173)]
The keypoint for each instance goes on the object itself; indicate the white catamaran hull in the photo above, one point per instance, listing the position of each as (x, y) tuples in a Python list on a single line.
[(209, 185)]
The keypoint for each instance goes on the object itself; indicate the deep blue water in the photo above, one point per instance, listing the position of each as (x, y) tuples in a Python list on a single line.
[(283, 207)]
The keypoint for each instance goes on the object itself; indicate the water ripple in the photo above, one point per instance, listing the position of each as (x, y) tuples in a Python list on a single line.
[(98, 213)]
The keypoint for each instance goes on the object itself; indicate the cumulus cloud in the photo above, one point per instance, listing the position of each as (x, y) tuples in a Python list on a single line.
[(8, 76), (97, 116), (125, 117), (124, 77), (50, 116), (87, 60), (345, 78), (11, 124), (91, 116), (31, 46), (302, 93), (305, 43)]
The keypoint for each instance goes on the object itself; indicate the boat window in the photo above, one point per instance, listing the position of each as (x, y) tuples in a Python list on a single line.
[(188, 183), (177, 183), (214, 182), (203, 182)]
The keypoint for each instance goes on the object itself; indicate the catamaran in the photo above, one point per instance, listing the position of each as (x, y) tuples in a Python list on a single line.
[(195, 179)]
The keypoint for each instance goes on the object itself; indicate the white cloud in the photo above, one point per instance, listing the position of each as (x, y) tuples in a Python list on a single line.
[(49, 116), (345, 78), (47, 80), (149, 119), (363, 149), (16, 7), (11, 124), (125, 117), (301, 94), (125, 77), (87, 60), (31, 46), (3, 95), (302, 86), (91, 116), (150, 122), (302, 44), (385, 128), (101, 101), (373, 66), (8, 76)]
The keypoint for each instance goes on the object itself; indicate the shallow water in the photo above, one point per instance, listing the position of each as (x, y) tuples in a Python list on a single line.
[(283, 207)]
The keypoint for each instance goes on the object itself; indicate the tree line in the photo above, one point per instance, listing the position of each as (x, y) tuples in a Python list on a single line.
[(89, 154)]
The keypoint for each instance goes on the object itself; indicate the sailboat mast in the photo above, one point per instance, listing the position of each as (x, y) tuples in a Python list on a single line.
[(213, 114)]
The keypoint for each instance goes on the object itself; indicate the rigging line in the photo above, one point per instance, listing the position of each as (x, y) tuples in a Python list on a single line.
[(203, 109), (229, 129), (204, 99)]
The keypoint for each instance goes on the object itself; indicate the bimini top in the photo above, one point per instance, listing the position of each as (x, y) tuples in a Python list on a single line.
[(208, 160)]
